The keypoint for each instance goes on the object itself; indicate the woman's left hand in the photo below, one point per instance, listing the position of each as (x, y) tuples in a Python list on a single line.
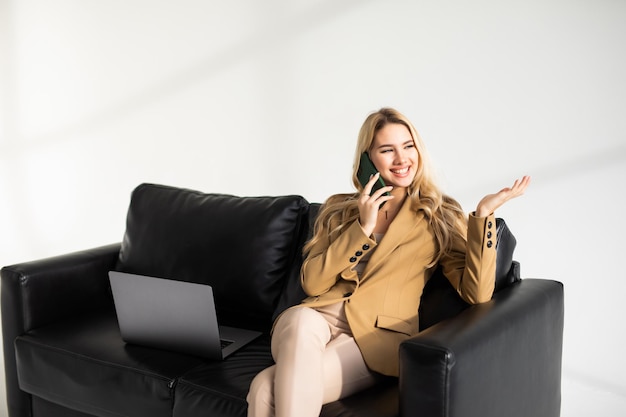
[(491, 202)]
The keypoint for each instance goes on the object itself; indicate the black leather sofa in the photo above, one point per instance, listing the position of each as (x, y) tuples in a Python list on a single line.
[(64, 355)]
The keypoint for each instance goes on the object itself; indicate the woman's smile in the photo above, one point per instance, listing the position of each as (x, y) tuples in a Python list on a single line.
[(401, 172)]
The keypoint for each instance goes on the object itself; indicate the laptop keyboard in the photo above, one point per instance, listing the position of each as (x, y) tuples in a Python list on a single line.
[(225, 343)]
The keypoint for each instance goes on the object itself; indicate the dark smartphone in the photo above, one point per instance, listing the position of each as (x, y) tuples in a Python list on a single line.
[(366, 170)]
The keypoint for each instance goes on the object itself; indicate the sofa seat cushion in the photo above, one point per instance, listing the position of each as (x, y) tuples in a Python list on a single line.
[(220, 388), (83, 364), (381, 400)]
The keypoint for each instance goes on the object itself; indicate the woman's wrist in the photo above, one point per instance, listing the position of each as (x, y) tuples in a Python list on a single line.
[(482, 211), (366, 230)]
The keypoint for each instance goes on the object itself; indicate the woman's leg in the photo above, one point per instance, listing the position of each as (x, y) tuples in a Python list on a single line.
[(298, 341), (309, 371), (345, 372), (298, 344), (261, 395)]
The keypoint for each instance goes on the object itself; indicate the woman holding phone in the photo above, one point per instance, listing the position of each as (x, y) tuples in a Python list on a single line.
[(366, 266)]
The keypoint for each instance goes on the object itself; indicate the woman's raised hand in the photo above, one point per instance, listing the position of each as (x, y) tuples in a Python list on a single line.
[(491, 202), (369, 203)]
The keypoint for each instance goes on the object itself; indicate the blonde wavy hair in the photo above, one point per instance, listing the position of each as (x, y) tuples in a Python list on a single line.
[(445, 215)]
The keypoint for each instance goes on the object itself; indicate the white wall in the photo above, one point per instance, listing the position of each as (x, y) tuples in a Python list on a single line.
[(256, 98)]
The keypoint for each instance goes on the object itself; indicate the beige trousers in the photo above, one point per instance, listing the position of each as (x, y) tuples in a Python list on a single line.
[(317, 362)]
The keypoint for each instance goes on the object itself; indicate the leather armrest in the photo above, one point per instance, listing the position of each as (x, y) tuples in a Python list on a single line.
[(44, 291), (41, 292), (501, 358)]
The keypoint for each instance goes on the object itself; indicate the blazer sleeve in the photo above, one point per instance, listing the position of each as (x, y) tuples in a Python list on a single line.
[(328, 262), (471, 264)]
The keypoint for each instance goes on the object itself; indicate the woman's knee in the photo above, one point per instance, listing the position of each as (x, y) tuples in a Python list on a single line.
[(300, 325)]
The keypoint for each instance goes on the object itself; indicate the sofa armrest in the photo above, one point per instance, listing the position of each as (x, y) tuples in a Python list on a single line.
[(501, 358), (41, 292)]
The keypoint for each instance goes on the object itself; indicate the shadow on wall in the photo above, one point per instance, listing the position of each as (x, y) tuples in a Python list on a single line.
[(273, 34), (589, 162), (14, 146)]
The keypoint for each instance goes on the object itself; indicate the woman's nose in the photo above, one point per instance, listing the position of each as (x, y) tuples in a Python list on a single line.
[(400, 157)]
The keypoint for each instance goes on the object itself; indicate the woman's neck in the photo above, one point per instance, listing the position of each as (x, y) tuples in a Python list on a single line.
[(390, 210), (399, 194)]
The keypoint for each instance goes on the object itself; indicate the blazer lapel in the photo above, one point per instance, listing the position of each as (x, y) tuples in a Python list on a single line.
[(399, 231)]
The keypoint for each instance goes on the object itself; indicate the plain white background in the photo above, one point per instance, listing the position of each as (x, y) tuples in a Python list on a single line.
[(265, 98)]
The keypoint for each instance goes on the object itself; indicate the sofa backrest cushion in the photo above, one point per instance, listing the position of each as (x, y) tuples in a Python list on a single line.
[(244, 247), (293, 293), (439, 299)]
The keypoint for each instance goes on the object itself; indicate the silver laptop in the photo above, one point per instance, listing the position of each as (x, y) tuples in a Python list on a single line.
[(173, 315)]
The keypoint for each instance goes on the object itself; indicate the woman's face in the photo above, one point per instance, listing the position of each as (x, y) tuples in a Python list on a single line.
[(394, 154)]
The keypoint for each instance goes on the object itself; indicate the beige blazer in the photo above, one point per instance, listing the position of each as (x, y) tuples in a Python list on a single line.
[(382, 305)]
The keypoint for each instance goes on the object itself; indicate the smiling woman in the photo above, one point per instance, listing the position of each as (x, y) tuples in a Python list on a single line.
[(365, 271)]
